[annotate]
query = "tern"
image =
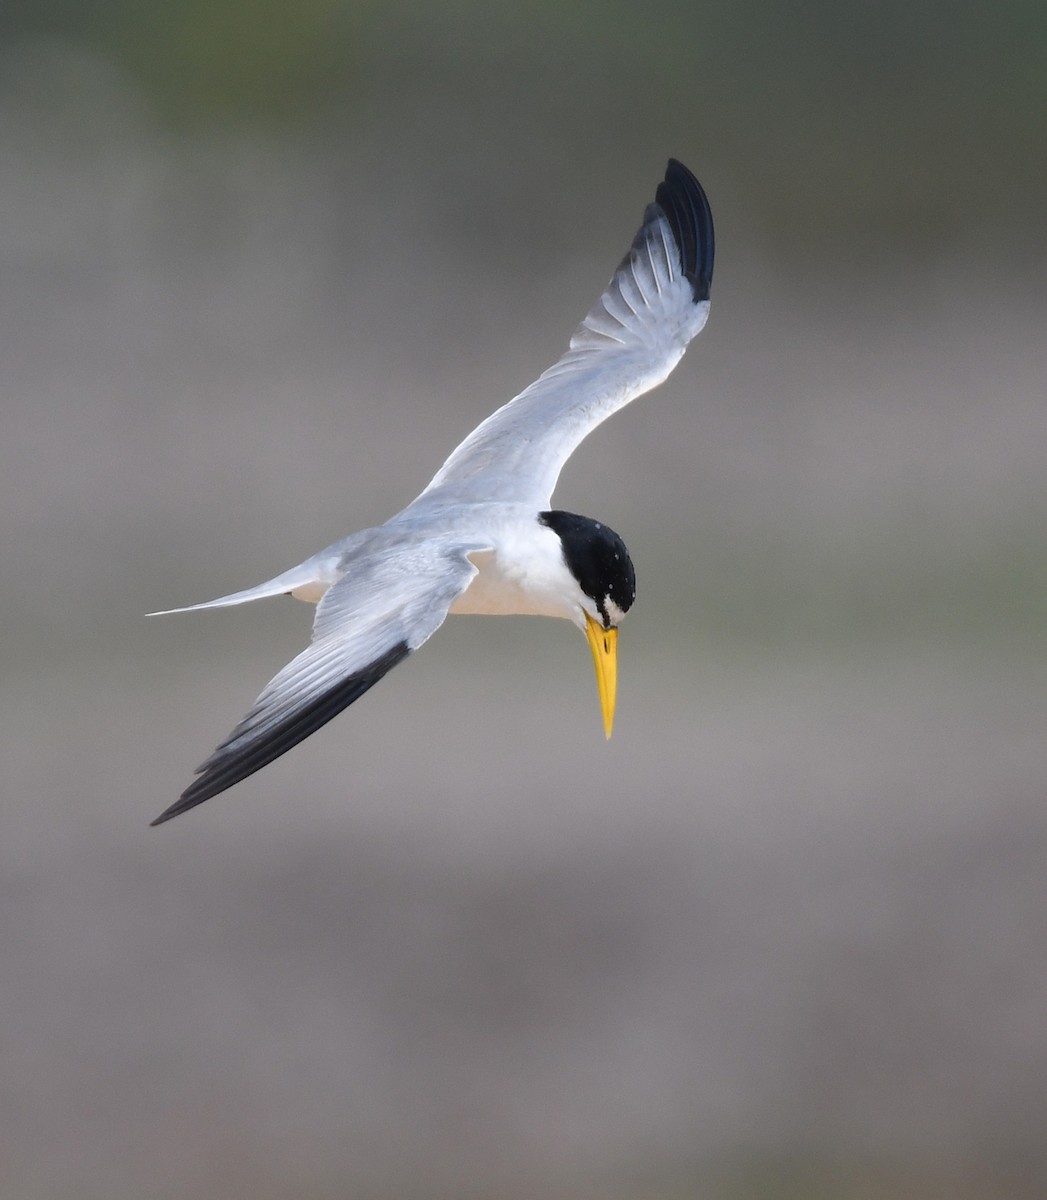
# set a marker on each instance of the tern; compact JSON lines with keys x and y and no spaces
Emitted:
{"x":482,"y":537}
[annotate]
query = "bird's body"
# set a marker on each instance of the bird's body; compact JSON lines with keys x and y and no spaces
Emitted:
{"x":481,"y":538}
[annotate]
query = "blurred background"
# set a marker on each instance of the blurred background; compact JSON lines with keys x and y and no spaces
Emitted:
{"x":262,"y":265}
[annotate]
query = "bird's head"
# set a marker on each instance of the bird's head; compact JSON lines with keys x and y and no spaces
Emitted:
{"x":600,"y":564}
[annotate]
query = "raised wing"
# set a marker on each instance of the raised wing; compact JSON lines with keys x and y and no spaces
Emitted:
{"x":370,"y":620}
{"x":630,"y":341}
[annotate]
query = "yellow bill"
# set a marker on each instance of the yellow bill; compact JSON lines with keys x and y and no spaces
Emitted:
{"x":604,"y":645}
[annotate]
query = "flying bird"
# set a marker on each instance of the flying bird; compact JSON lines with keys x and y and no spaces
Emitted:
{"x":482,"y":537}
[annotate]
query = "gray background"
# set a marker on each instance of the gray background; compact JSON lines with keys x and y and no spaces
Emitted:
{"x":261,"y":267}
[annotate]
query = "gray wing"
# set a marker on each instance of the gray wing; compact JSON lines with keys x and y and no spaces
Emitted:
{"x":370,"y":620}
{"x":630,"y":341}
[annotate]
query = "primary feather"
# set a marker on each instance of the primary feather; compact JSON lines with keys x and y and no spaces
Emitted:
{"x":629,"y":342}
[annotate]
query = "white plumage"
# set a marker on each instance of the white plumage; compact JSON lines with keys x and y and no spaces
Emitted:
{"x":479,"y":539}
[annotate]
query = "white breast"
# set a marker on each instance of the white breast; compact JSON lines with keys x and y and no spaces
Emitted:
{"x":525,"y":574}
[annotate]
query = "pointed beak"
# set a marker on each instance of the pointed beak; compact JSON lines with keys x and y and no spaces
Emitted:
{"x":604,"y":645}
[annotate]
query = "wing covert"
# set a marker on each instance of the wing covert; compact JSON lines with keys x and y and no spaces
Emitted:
{"x":367,"y":623}
{"x":632,"y":338}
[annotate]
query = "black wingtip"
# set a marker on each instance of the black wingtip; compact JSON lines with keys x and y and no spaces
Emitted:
{"x":188,"y":799}
{"x":228,"y":766}
{"x":683,"y":200}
